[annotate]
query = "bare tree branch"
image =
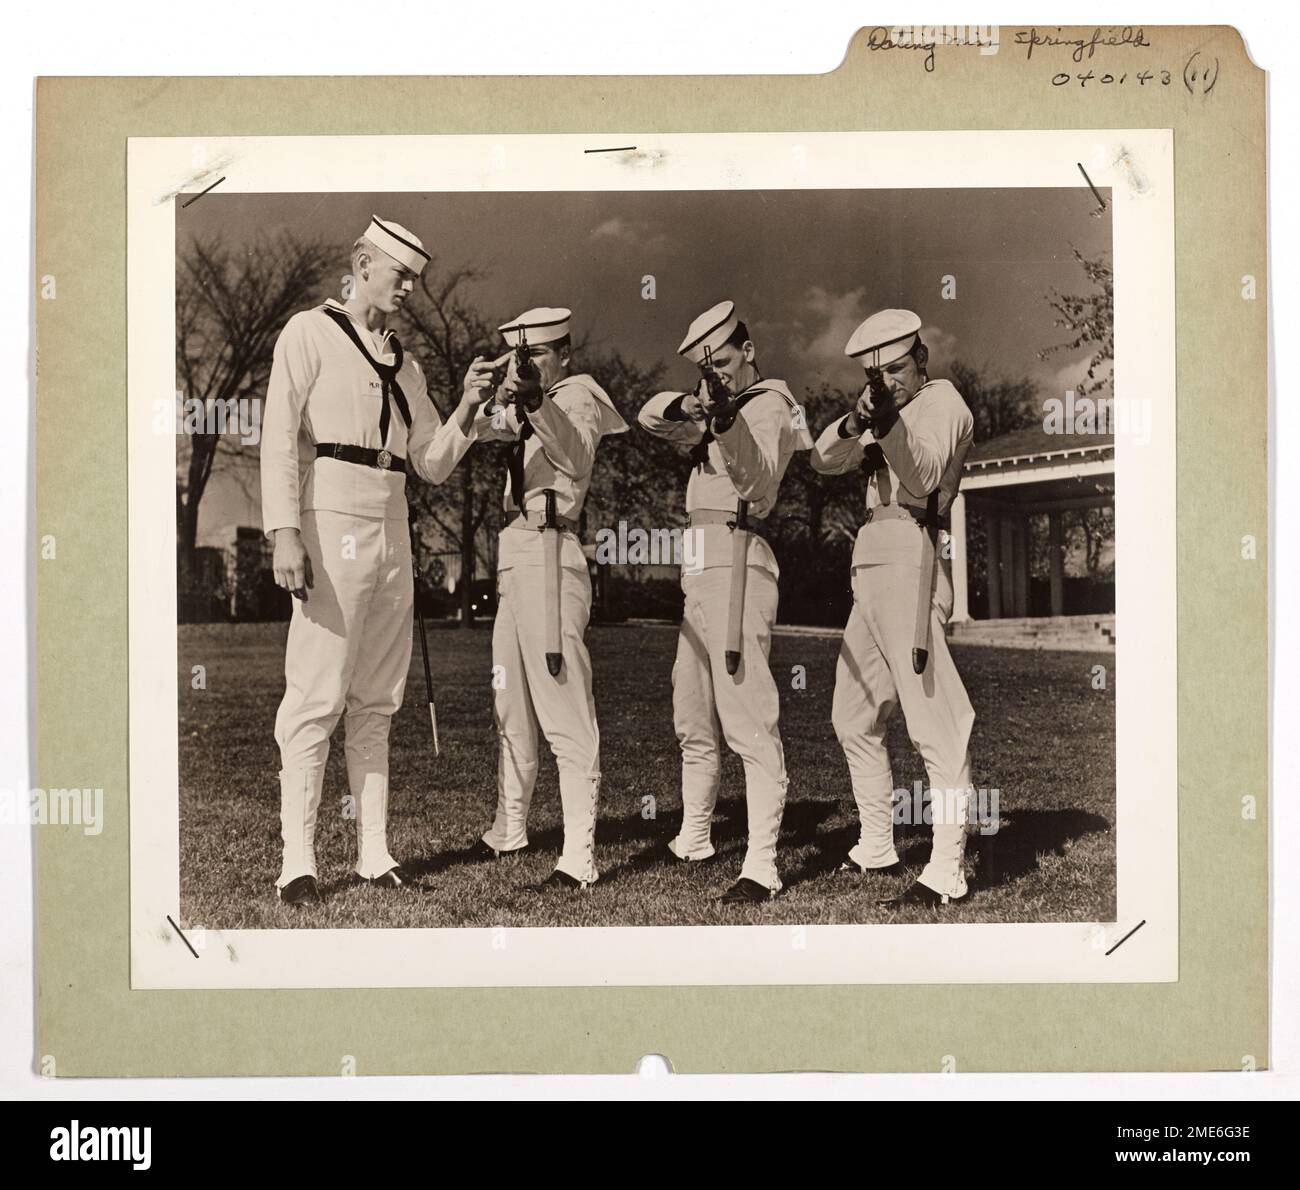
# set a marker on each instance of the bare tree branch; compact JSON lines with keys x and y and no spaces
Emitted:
{"x":1089,"y":319}
{"x":229,"y":309}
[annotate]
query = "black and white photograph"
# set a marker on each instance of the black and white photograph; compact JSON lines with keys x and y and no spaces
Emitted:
{"x":593,"y":553}
{"x":658,"y":555}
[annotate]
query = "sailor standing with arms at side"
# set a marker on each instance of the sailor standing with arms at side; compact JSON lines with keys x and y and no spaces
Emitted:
{"x":347,"y":415}
{"x":541,"y":668}
{"x":741,"y":430}
{"x":910,"y":434}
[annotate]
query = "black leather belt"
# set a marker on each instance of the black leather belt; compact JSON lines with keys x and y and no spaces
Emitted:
{"x":535,"y":518}
{"x":363,"y":456}
{"x":904,"y":512}
{"x":716,"y":516}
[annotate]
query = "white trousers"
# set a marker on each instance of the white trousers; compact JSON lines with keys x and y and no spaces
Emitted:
{"x":525,"y":696}
{"x":710,"y":704}
{"x":348,"y":653}
{"x":873,"y":676}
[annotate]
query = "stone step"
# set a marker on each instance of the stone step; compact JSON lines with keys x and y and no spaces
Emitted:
{"x":1095,"y":619}
{"x":1087,"y":632}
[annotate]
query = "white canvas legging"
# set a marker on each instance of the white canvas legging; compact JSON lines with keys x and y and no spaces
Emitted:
{"x":526,"y":696}
{"x":347,"y":654}
{"x":710,"y":704}
{"x":873,"y":676}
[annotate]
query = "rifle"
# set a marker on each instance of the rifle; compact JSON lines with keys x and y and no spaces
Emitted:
{"x":424,"y":640}
{"x":525,"y":369}
{"x":720,"y":399}
{"x":882,"y":400}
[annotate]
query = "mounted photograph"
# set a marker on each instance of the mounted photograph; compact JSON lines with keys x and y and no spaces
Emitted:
{"x":708,"y":546}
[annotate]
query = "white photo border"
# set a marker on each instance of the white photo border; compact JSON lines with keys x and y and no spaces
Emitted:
{"x":158,"y":168}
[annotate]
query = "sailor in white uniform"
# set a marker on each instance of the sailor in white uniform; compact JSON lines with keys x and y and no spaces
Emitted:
{"x":347,"y":416}
{"x":541,"y":671}
{"x":910,"y":435}
{"x":741,"y":430}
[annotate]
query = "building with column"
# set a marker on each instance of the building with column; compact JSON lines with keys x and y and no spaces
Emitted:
{"x":1033,"y":541}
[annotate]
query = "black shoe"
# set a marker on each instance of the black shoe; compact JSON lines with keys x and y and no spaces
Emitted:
{"x":483,"y":852}
{"x":849,"y":867}
{"x":397,"y":878}
{"x":747,"y":892}
{"x":916,"y":894}
{"x":301,"y":891}
{"x":556,"y":881}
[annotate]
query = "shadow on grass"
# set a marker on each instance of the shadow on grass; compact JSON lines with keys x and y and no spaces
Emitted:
{"x":1024,"y":838}
{"x":1000,"y":859}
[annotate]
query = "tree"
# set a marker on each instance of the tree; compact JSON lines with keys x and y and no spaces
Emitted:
{"x":1000,"y":405}
{"x":816,"y":521}
{"x":1092,"y":529}
{"x":819,"y":509}
{"x":229,"y":310}
{"x":1089,"y":319}
{"x":446,"y":332}
{"x":635,"y":476}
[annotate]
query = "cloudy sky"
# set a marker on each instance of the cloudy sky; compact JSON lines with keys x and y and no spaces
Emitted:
{"x":804,"y":267}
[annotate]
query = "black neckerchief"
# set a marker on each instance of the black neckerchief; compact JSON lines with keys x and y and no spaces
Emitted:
{"x":515,"y":462}
{"x":387,"y":372}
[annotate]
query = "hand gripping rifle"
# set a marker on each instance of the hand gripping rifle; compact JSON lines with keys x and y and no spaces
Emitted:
{"x":720,"y":398}
{"x":883,"y":409}
{"x":525,"y":369}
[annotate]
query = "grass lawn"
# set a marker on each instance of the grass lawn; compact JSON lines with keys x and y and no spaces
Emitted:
{"x":1043,"y":737}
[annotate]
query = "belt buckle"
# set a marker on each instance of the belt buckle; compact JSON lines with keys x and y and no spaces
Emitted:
{"x":383,"y":459}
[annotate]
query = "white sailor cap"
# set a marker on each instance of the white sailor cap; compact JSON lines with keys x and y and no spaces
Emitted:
{"x":545,"y":324}
{"x":886,"y":336}
{"x":711,"y":329}
{"x":402,"y":245}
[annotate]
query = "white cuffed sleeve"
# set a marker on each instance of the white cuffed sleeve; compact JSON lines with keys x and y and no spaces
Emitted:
{"x":833,"y":453}
{"x":919,"y":447}
{"x":295,"y":365}
{"x":568,"y":429}
{"x":661,"y":416}
{"x":434,"y":446}
{"x":751,"y":446}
